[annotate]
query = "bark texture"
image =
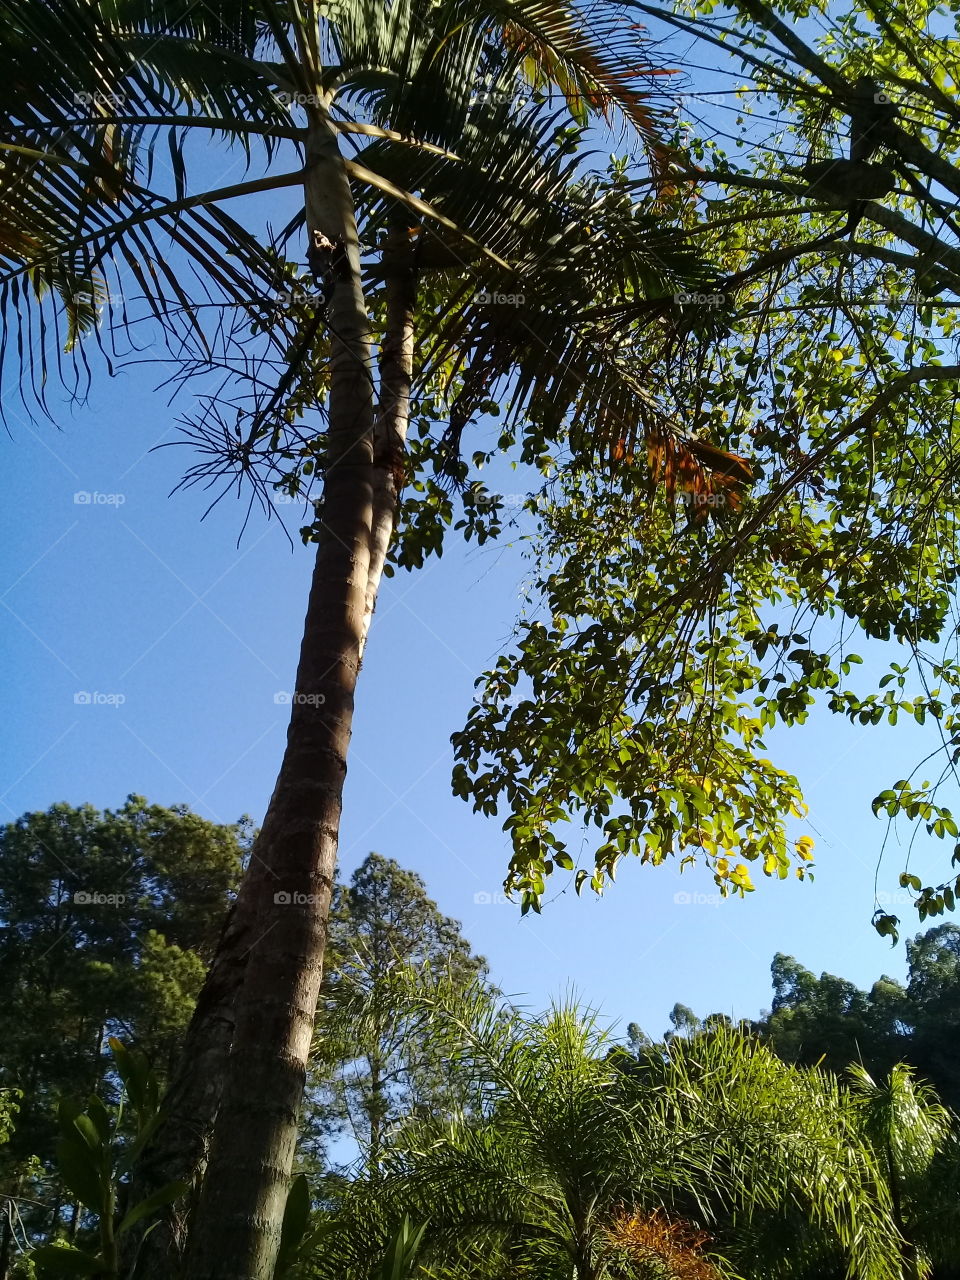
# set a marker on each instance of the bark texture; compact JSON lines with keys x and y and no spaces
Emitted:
{"x":179,"y":1147}
{"x":236,"y":1231}
{"x":232,"y":1109}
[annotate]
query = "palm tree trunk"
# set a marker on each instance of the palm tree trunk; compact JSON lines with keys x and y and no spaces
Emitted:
{"x":236,"y":1231}
{"x":178,"y":1149}
{"x":393,"y":408}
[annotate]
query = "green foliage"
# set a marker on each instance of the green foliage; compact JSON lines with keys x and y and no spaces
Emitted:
{"x":374,"y":1063}
{"x":918,"y":1147}
{"x":9,"y":1106}
{"x":714,"y":1135}
{"x":300,"y":1233}
{"x":93,"y":1154}
{"x":108,"y":920}
{"x":831,"y":1021}
{"x":668,"y":629}
{"x":614,"y":712}
{"x":402,"y":1252}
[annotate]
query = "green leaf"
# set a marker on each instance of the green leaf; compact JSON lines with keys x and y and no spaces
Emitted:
{"x":401,"y":1252}
{"x":166,"y":1195}
{"x":296,"y":1218}
{"x":81,"y":1172}
{"x":65,"y":1260}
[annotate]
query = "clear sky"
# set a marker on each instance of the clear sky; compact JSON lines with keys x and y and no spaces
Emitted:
{"x":137,"y":599}
{"x":129,"y":596}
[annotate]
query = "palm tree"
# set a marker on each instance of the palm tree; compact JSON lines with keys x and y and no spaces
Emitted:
{"x":918,"y":1149}
{"x":428,"y":190}
{"x":580,"y":1167}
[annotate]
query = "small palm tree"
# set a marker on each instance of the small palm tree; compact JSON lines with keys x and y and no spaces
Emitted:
{"x":580,"y":1168}
{"x":918,"y":1149}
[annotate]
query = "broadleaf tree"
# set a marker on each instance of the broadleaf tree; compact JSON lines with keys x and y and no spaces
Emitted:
{"x":667,"y":632}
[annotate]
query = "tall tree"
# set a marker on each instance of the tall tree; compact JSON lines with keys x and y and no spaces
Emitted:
{"x":415,"y":156}
{"x":107,"y":921}
{"x":375,"y":1062}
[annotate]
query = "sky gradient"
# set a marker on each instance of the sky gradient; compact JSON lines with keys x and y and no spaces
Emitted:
{"x":129,"y":596}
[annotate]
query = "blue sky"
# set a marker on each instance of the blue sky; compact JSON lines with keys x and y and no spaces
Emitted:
{"x":139,"y":600}
{"x":129,"y":596}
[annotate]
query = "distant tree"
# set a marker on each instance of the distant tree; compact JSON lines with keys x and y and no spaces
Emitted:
{"x":373,"y":1063}
{"x":933,"y":1009}
{"x":683,"y":1021}
{"x":832,"y":1021}
{"x":107,"y":922}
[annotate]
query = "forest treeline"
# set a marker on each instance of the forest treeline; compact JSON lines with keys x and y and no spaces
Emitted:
{"x":442,"y":1124}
